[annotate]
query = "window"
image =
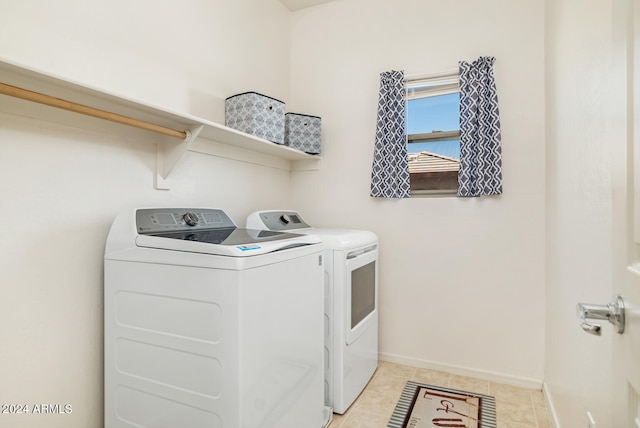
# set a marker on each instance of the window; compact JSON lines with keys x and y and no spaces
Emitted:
{"x":433,"y":133}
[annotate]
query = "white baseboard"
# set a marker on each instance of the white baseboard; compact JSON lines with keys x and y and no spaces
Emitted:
{"x":551,"y":410}
{"x":464,"y":371}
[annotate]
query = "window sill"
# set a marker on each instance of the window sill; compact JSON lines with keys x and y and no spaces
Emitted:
{"x":433,"y":193}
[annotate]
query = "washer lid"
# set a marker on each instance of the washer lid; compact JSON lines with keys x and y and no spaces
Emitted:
{"x":209,"y":231}
{"x":230,"y":242}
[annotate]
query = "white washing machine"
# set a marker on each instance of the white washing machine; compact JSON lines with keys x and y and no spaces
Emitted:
{"x":211,"y":326}
{"x":351,"y":303}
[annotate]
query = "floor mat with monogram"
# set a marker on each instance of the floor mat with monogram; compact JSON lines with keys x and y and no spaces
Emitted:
{"x":427,"y":406}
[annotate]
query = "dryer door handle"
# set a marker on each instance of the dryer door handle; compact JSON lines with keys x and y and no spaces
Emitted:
{"x":358,"y":253}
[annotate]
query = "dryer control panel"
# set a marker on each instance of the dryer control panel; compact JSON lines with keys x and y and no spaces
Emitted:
{"x":276,"y":220}
{"x":159,"y":220}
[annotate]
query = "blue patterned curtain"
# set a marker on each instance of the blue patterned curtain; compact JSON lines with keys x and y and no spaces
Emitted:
{"x":480,"y":150}
{"x":390,"y":172}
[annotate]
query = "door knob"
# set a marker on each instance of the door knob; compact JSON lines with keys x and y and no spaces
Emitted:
{"x":613,"y":312}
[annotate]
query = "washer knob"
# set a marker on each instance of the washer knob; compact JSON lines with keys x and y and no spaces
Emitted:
{"x":190,"y":218}
{"x":285,"y":219}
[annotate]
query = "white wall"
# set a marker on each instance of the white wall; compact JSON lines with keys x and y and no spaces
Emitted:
{"x":578,"y":365}
{"x":461,"y":281}
{"x":185,"y":55}
{"x":61,"y":187}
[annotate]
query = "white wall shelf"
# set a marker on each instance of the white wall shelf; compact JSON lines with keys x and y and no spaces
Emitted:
{"x":203,"y":136}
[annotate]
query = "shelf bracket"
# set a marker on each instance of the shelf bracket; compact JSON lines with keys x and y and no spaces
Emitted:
{"x":168,"y":155}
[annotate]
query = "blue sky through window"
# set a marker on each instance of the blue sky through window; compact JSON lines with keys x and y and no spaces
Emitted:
{"x":429,"y":114}
{"x":438,"y":113}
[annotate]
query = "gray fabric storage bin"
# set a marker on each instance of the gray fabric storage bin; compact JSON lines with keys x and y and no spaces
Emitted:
{"x":302,"y":132}
{"x":256,"y":114}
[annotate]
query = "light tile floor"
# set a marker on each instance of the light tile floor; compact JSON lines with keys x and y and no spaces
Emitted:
{"x":516,"y":407}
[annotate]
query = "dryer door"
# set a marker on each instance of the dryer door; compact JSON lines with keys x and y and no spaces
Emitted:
{"x":362,"y":291}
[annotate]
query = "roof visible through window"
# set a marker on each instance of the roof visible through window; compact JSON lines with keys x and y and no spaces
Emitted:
{"x":433,"y":139}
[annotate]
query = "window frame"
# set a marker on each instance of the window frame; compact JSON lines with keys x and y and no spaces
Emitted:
{"x":432,"y":182}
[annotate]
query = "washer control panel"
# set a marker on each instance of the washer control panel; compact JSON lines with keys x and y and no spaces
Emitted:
{"x":276,"y":220}
{"x":158,"y":220}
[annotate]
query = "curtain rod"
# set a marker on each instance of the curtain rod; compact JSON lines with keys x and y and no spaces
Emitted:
{"x":37,"y":97}
{"x":447,"y":73}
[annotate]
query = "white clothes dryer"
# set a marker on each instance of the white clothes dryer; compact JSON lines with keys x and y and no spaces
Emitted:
{"x":351,"y":303}
{"x":208,"y":325}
